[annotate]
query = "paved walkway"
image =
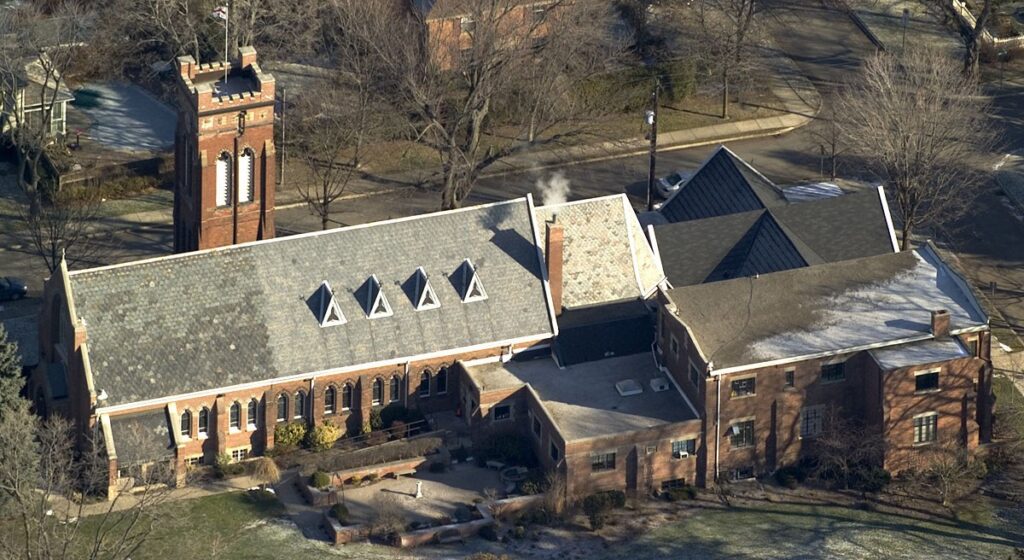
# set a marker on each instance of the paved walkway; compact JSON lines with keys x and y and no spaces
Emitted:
{"x":882,"y":22}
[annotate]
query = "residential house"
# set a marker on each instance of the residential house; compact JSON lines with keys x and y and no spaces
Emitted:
{"x":36,"y":98}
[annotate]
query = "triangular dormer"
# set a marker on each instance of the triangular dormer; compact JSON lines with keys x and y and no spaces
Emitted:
{"x":375,"y":303}
{"x":423,"y":294}
{"x":326,"y":307}
{"x":469,"y":280}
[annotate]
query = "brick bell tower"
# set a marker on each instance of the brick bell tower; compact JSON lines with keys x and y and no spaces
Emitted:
{"x":223,"y":154}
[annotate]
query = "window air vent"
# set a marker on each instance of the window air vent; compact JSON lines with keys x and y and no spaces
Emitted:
{"x":629,"y":387}
{"x":325,"y":306}
{"x":423,"y":294}
{"x":469,"y":283}
{"x":659,"y":384}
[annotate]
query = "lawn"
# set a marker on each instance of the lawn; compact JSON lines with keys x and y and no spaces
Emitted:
{"x":773,"y":530}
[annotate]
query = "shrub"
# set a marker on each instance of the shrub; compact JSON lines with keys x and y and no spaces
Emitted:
{"x":438,"y":467}
{"x":376,"y":438}
{"x":289,"y":435}
{"x":486,"y":556}
{"x":790,"y":476}
{"x":398,"y":429}
{"x":872,"y":479}
{"x":508,"y":448}
{"x":536,"y":483}
{"x":355,"y":480}
{"x":519,"y":532}
{"x":323,"y":436}
{"x":320,"y":480}
{"x":339,"y":512}
{"x":376,"y":419}
{"x":681,"y":493}
{"x":489,"y":532}
{"x":373,"y":477}
{"x":224,"y":467}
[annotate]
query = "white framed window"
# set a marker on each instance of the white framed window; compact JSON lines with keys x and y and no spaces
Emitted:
{"x":741,"y":434}
{"x":223,"y":185}
{"x":330,"y":399}
{"x":328,"y":311}
{"x":926,"y":381}
{"x":743,"y":387}
{"x":441,"y":381}
{"x":300,"y":405}
{"x":812,"y":421}
{"x":194,"y":461}
{"x":346,"y":397}
{"x":239,"y":454}
{"x":472,"y":287}
{"x":245,"y":175}
{"x":684,"y":448}
{"x":204,"y":422}
{"x":186,"y":425}
{"x":600,"y":462}
{"x":378,"y":392}
{"x":395,"y":388}
{"x":423,"y":293}
{"x":251,"y":414}
{"x":424,"y":390}
{"x":501,"y":412}
{"x":790,"y":379}
{"x":282,"y":408}
{"x":377,"y":305}
{"x":926,"y":428}
{"x":235,"y":416}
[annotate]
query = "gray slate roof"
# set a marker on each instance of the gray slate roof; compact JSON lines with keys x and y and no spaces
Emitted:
{"x":241,"y":314}
{"x":829,"y":308}
{"x":24,"y":331}
{"x":141,"y":438}
{"x":919,"y":353}
{"x":724,"y":184}
{"x":771,"y":240}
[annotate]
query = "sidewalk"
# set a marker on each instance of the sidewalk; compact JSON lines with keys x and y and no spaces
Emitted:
{"x":882,"y":22}
{"x":799,"y":103}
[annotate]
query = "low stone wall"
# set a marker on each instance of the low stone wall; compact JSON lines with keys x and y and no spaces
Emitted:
{"x":504,"y":507}
{"x":314,"y":496}
{"x":343,"y":534}
{"x":383,"y":470}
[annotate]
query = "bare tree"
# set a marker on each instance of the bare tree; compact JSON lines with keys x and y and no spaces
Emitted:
{"x":727,"y":35}
{"x":972,"y":39}
{"x":844,"y":447}
{"x":36,"y":53}
{"x":62,"y":228}
{"x":951,"y":469}
{"x":830,"y":142}
{"x":918,"y":122}
{"x":448,"y":78}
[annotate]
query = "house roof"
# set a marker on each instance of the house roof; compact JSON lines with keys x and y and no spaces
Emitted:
{"x":141,"y":438}
{"x":826,"y":309}
{"x":724,"y":184}
{"x":582,"y":399}
{"x":919,"y":353}
{"x":779,"y":238}
{"x":248,"y":313}
{"x":606,"y":256}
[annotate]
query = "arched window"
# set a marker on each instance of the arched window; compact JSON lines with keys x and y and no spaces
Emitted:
{"x":396,"y":388}
{"x":346,"y":397}
{"x":204,"y":422}
{"x":251,"y":414}
{"x":223,"y":193}
{"x":235,"y":416}
{"x":300,"y":404}
{"x":330,"y":399}
{"x":186,"y":424}
{"x":282,"y":408}
{"x":425,"y":383}
{"x":245,"y":173}
{"x":378,"y":391}
{"x":441,"y":382}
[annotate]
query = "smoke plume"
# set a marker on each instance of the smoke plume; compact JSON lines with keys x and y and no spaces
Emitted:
{"x":554,"y":190}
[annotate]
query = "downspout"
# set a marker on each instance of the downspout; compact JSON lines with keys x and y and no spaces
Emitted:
{"x":718,"y":415}
{"x":405,"y":393}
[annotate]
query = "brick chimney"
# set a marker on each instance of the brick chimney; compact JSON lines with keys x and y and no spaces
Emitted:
{"x":553,"y":250}
{"x":940,"y":323}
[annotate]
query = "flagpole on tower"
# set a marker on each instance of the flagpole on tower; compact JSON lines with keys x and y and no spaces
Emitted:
{"x":226,"y":20}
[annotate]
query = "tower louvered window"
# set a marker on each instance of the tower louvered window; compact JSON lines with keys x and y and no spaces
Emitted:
{"x":245,"y":175}
{"x":223,"y":194}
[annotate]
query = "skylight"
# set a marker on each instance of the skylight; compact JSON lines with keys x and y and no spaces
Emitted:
{"x":376,"y":304}
{"x":472,"y":288}
{"x":423,"y":293}
{"x":326,"y":307}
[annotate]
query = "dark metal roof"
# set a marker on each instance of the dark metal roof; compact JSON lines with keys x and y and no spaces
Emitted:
{"x":242,"y":314}
{"x":605,"y":330}
{"x":781,"y":238}
{"x":141,"y":438}
{"x":724,"y":184}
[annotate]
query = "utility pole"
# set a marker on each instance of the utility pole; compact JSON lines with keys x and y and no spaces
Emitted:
{"x":284,"y":152}
{"x":652,"y":120}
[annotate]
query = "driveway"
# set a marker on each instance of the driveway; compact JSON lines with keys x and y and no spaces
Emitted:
{"x":124,"y":117}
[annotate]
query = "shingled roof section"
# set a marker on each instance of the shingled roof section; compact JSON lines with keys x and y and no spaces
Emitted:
{"x":606,"y":256}
{"x":851,"y":226}
{"x":141,"y":438}
{"x":241,"y":314}
{"x":724,"y":184}
{"x":825,"y":309}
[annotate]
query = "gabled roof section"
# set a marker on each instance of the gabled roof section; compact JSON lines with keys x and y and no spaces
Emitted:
{"x":325,"y":306}
{"x":606,"y":256}
{"x":471,"y":288}
{"x":822,"y":310}
{"x":851,"y":226}
{"x":423,"y":296}
{"x":241,"y":314}
{"x":724,"y":184}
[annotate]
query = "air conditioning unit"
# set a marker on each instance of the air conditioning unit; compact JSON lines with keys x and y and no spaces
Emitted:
{"x":681,"y":455}
{"x":659,"y":384}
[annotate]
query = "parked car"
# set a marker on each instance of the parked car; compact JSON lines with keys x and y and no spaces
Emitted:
{"x":669,"y":184}
{"x":11,"y":289}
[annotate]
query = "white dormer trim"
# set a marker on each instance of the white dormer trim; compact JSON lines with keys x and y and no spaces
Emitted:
{"x":473,"y":288}
{"x":329,"y":313}
{"x":377,"y":305}
{"x":425,"y":296}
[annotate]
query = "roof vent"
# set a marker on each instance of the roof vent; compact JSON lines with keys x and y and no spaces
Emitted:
{"x":659,"y":384}
{"x":629,"y":387}
{"x":375,"y":303}
{"x":423,"y":295}
{"x":325,"y":306}
{"x":471,"y":289}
